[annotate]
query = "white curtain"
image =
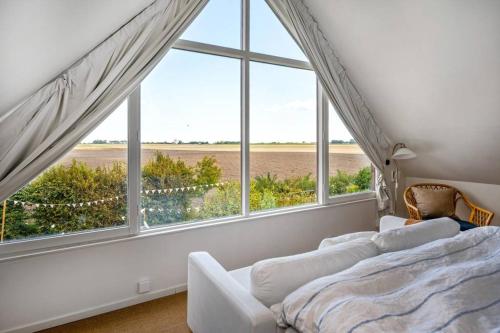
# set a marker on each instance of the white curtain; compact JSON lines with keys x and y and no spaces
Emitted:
{"x":46,"y":125}
{"x":348,"y":103}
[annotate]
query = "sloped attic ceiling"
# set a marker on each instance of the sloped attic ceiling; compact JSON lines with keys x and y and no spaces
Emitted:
{"x":430,"y":72}
{"x":39,"y":39}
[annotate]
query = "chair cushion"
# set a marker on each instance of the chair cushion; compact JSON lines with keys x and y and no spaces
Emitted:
{"x":464,"y":225}
{"x":433,"y":203}
{"x":416,"y":234}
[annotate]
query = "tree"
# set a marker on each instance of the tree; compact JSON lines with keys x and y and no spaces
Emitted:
{"x":363,"y":179}
{"x":222,"y":201}
{"x":338,"y":184}
{"x":162,"y":172}
{"x":207,"y":171}
{"x":343,"y":182}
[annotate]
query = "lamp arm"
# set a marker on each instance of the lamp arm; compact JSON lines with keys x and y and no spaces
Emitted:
{"x":397,"y":146}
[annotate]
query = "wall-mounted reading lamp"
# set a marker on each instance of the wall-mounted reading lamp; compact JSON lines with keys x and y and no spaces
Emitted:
{"x":399,"y":152}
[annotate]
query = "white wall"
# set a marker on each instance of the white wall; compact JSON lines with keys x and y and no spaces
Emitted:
{"x":483,"y":195}
{"x":430,"y":72}
{"x":51,"y":289}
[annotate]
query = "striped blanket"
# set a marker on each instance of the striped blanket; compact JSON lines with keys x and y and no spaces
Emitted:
{"x":449,"y":285}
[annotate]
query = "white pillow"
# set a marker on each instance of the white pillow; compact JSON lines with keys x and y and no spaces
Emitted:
{"x":271,"y":280}
{"x":416,"y":234}
{"x":345,"y":238}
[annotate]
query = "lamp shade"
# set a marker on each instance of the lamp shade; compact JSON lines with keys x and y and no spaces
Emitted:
{"x":403,"y":153}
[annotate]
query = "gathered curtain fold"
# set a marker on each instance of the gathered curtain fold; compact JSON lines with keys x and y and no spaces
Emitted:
{"x":347,"y":101}
{"x":49,"y":123}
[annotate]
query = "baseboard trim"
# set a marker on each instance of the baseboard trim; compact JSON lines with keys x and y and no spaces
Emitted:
{"x":94,"y":311}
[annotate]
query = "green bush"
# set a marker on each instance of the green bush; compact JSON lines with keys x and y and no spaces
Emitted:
{"x":162,"y":172}
{"x":18,"y":223}
{"x":80,"y":183}
{"x":363,"y":179}
{"x":76,"y":183}
{"x":268,"y":192}
{"x":338,"y":184}
{"x":343,"y":182}
{"x":222,"y":201}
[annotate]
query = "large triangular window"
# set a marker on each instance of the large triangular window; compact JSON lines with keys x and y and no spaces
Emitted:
{"x":224,"y":127}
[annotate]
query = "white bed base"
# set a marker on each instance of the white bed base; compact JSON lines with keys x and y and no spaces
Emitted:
{"x":218,"y":303}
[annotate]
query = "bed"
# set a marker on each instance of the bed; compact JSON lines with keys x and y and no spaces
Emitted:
{"x":450,"y":284}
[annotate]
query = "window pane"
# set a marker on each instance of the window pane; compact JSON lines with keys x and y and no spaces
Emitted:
{"x":282,"y":137}
{"x":350,"y":169}
{"x":268,"y":35}
{"x":218,"y":23}
{"x":85,"y":190}
{"x":190,"y":134}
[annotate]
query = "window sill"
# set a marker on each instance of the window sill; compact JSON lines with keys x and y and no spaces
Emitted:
{"x":350,"y":197}
{"x":42,"y":246}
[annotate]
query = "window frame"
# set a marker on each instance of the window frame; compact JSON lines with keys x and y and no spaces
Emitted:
{"x":29,"y":246}
{"x":324,"y":126}
{"x":19,"y":247}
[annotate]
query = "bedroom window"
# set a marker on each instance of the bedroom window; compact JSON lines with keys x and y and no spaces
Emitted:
{"x":282,"y":137}
{"x":349,"y":169}
{"x":190,"y":139}
{"x":85,"y":190}
{"x":219,"y":126}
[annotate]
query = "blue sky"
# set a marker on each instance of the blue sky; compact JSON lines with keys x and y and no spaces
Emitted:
{"x":196,"y":97}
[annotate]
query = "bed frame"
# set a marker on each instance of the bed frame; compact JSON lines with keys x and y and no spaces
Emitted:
{"x":219,"y":303}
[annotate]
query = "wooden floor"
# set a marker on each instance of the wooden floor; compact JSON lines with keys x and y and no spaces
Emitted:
{"x":165,"y":315}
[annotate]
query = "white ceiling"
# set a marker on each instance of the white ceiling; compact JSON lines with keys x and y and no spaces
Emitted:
{"x":430,"y":72}
{"x":41,"y":38}
{"x":429,"y":69}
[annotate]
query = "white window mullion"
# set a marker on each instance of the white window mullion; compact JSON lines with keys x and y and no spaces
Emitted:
{"x":134,"y":160}
{"x":320,"y":188}
{"x":245,"y":109}
{"x":245,"y":25}
{"x":245,"y":144}
{"x":323,"y":146}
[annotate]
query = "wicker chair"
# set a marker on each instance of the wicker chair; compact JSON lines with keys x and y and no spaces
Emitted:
{"x":478,"y":216}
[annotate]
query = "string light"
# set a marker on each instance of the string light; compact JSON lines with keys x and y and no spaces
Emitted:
{"x":168,"y":210}
{"x":115,"y":198}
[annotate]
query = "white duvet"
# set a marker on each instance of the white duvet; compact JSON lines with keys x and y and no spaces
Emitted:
{"x":449,"y":285}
